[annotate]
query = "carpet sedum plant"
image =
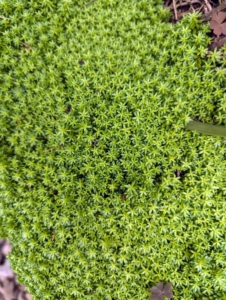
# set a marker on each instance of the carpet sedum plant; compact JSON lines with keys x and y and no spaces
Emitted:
{"x":103,"y":193}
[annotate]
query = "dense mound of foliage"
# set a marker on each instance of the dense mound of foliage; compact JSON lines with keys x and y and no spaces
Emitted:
{"x":103,"y":194}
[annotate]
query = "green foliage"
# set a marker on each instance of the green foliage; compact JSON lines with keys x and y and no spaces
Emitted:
{"x":207,"y":129}
{"x":89,"y":197}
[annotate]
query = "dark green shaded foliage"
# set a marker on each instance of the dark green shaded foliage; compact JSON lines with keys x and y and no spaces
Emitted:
{"x":89,"y":195}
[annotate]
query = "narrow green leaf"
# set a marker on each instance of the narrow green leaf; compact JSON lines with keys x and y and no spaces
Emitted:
{"x":208,"y":129}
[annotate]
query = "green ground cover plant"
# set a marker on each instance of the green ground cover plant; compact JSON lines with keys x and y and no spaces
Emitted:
{"x":103,"y":193}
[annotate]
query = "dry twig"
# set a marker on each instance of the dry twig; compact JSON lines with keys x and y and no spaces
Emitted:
{"x":89,"y":3}
{"x":209,"y":7}
{"x":47,"y":150}
{"x":28,"y":47}
{"x":175,"y":10}
{"x":207,"y":17}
